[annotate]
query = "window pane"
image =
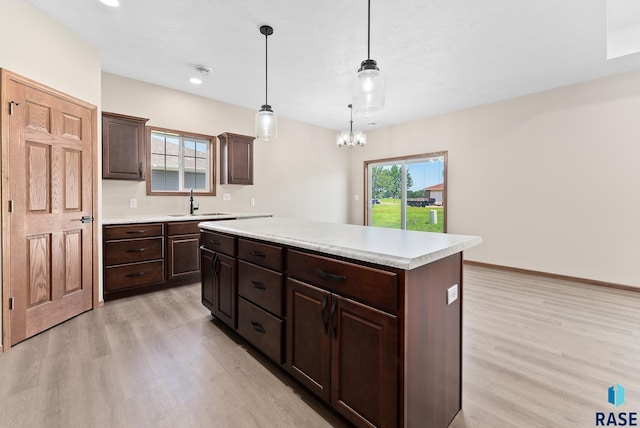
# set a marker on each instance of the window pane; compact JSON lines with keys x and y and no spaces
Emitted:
{"x":179,"y":163}
{"x":386,"y":196}
{"x":425,"y":190}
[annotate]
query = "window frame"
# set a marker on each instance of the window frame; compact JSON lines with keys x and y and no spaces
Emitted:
{"x":405,"y":160}
{"x":212,"y":161}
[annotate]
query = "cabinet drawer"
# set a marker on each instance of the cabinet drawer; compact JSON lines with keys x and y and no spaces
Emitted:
{"x":266,"y":255}
{"x":133,"y":275}
{"x":133,"y":250}
{"x":261,"y":329}
{"x":142,"y":230}
{"x":218,"y":242}
{"x":260,"y":286}
{"x":376,"y":287}
{"x":183,"y":228}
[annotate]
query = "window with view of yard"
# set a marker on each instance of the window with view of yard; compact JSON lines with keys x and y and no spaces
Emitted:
{"x":407,"y":192}
{"x":179,"y":162}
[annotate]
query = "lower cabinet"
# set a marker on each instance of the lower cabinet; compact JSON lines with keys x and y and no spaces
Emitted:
{"x":218,"y":276}
{"x":345,"y":352}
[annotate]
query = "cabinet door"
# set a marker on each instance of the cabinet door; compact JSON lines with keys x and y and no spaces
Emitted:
{"x":183,"y":256}
{"x":207,"y":275}
{"x":308,"y":340}
{"x":364,"y":371}
{"x":236,"y":159}
{"x":225,"y":293}
{"x":123,"y":154}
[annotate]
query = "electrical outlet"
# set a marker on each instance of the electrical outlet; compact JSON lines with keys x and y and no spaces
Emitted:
{"x":226,"y":196}
{"x":133,"y":203}
{"x":252,"y":202}
{"x":452,"y":294}
{"x":356,"y":197}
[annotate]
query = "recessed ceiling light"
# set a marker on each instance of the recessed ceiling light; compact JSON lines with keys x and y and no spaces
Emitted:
{"x":195,"y":81}
{"x":112,"y":3}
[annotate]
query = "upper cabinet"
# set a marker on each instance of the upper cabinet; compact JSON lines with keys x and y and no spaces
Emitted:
{"x":236,"y":159}
{"x":123,"y":147}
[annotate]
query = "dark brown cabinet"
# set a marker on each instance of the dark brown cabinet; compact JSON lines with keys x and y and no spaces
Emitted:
{"x":133,"y":256}
{"x":218,"y":276}
{"x":183,"y":245}
{"x":236,"y":159}
{"x":123,"y":147}
{"x":344,"y":351}
{"x":260,"y":301}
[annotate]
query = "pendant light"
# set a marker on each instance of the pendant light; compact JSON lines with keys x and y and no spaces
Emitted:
{"x":266,"y":119}
{"x":350,"y":138}
{"x":368,"y":95}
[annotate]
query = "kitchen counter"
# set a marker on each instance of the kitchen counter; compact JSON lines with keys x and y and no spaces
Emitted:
{"x":387,"y":247}
{"x":157,"y":218}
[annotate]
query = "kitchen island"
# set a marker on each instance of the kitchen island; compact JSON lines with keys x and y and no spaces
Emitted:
{"x":369,"y":319}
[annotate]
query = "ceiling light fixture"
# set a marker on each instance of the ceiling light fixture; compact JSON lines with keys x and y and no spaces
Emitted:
{"x":112,"y":3}
{"x":266,"y":119}
{"x":368,"y":96}
{"x":350,"y":138}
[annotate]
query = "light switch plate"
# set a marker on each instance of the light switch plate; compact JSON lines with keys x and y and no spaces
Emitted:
{"x":452,"y":294}
{"x":226,"y":196}
{"x":133,"y":203}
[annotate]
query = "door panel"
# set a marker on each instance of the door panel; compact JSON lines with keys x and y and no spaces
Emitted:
{"x":364,"y":375}
{"x":50,"y":183}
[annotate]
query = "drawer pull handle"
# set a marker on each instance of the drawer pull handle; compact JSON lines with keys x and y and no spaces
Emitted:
{"x":331,"y":276}
{"x":258,"y":285}
{"x":136,"y":250}
{"x":212,"y":242}
{"x":132,"y":275}
{"x":257,"y":253}
{"x":334,"y":330}
{"x":136,"y":231}
{"x":322,"y":314}
{"x":258,"y":327}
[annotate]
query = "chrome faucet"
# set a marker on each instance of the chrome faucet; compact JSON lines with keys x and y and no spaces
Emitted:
{"x":191,"y":207}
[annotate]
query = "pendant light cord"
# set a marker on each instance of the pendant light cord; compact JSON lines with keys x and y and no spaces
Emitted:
{"x":369,"y":29}
{"x":266,"y":68}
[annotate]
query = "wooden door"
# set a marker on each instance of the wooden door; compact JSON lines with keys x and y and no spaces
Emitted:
{"x":308,"y":337}
{"x":364,"y":370}
{"x":50,"y":176}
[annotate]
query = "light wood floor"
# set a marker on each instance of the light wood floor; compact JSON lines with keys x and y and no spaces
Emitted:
{"x":537,"y":353}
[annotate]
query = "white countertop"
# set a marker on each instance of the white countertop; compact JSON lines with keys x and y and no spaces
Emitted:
{"x":181,"y":217}
{"x":388,"y":247}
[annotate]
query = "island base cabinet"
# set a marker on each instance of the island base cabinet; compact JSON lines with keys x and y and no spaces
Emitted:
{"x":345,"y":352}
{"x":219,"y":290}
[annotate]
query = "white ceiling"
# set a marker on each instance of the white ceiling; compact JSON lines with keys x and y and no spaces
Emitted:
{"x":436,"y":56}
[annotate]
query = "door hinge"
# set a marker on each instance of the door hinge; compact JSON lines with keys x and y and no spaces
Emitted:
{"x":11,"y":205}
{"x":12,"y":104}
{"x":10,"y":303}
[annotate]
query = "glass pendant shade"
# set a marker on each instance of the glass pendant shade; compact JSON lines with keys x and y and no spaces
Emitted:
{"x":368,"y":94}
{"x":266,"y":124}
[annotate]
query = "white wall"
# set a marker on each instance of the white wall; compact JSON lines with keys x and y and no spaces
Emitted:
{"x":550,"y":181}
{"x":299,"y":175}
{"x":39,"y":48}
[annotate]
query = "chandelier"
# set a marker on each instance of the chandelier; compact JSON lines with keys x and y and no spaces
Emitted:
{"x":350,"y":138}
